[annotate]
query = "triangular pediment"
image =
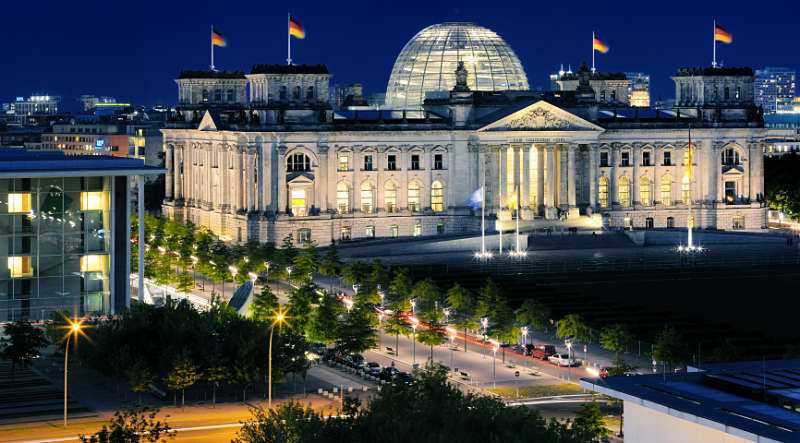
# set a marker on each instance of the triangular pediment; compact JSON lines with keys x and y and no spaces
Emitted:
{"x":300,"y":178}
{"x":541,"y":116}
{"x":207,"y":123}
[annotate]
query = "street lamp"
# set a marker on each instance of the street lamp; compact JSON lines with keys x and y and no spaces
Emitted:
{"x":446,"y":312}
{"x":380,"y":328}
{"x":194,"y":260}
{"x":253,"y":277}
{"x":569,"y":358}
{"x":213,"y":284}
{"x":414,"y":324}
{"x":524,"y":331}
{"x":381,"y":294}
{"x":451,"y":332}
{"x":413,"y":306}
{"x":484,"y":326}
{"x":233,"y":270}
{"x":74,"y":328}
{"x":495,"y":347}
{"x":280,"y":318}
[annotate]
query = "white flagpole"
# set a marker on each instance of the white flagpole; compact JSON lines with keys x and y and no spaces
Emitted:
{"x":483,"y":211}
{"x":288,"y":41}
{"x":593,"y":37}
{"x":499,"y":209}
{"x":517,"y":233}
{"x":689,"y":221}
{"x":714,"y":39}
{"x":212,"y":47}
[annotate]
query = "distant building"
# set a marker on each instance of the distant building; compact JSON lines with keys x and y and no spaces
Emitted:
{"x":610,"y":88}
{"x":91,"y":101}
{"x":345,"y":96}
{"x":23,"y":110}
{"x":638,"y":89}
{"x":66,"y":238}
{"x":556,"y":76}
{"x":774,"y":85}
{"x":727,"y":402}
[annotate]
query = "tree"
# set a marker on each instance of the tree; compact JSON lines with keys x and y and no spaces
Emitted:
{"x":399,"y":295}
{"x":132,"y":426}
{"x":214,"y":376}
{"x":183,"y":375}
{"x":589,"y":425}
{"x":395,"y":326}
{"x":430,"y":337}
{"x":22,"y":343}
{"x":306,"y":263}
{"x":290,"y":422}
{"x":323,"y":325}
{"x":534,"y":314}
{"x":357,"y":331}
{"x":782,"y":185}
{"x":669,"y":347}
{"x":300,"y":301}
{"x":492,"y":304}
{"x":264,"y":305}
{"x":288,"y":250}
{"x":615,"y":338}
{"x":573,"y":325}
{"x":426,"y":295}
{"x":463,"y":303}
{"x":331,"y":264}
{"x":140,"y":378}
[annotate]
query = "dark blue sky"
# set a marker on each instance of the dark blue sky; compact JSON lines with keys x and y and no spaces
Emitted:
{"x":134,"y":50}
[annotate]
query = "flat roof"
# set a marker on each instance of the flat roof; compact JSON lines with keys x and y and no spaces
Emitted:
{"x":21,"y":162}
{"x":759,"y":398}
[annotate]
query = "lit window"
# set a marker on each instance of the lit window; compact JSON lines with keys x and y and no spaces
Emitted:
{"x":19,"y":203}
{"x":437,"y":196}
{"x":644,"y":191}
{"x":738,"y":222}
{"x":367,"y":197}
{"x":304,"y":235}
{"x":344,"y":163}
{"x":342,"y":198}
{"x":417,"y":229}
{"x":369,"y":231}
{"x":344,"y":233}
{"x":367,"y":162}
{"x":624,"y":192}
{"x":394,"y":231}
{"x":685,"y":190}
{"x":390,"y":197}
{"x":93,"y":263}
{"x":91,"y":201}
{"x":20,"y":266}
{"x":602,"y":192}
{"x":298,"y":203}
{"x":666,"y":190}
{"x":413,"y":196}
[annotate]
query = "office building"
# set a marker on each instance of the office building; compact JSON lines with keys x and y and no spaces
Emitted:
{"x":773,"y":86}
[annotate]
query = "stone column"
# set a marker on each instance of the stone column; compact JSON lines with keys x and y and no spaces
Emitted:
{"x":550,"y":192}
{"x":612,"y":185}
{"x":168,"y":181}
{"x":282,"y":191}
{"x":635,"y":198}
{"x":177,"y":163}
{"x":571,"y":180}
{"x":525,"y":196}
{"x":562,"y":176}
{"x":321,"y":181}
{"x":503,"y":191}
{"x":754,"y":171}
{"x":713,"y":173}
{"x":593,"y":176}
{"x":540,"y":200}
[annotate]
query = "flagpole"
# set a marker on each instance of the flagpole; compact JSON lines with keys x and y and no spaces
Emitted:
{"x":714,"y":39}
{"x":499,"y":209}
{"x":483,"y":211}
{"x":212,"y":47}
{"x":689,"y":221}
{"x":593,"y":37}
{"x":288,"y":41}
{"x":517,"y":233}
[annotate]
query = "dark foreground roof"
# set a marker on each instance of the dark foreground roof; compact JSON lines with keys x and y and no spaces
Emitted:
{"x":20,"y":162}
{"x":760,"y":398}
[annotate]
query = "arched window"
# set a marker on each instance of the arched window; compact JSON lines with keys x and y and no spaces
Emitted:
{"x":205,"y":95}
{"x":624,"y":192}
{"x":390,"y":197}
{"x":298,"y":162}
{"x":602,"y":191}
{"x":367,"y":197}
{"x":282,"y":93}
{"x":730,"y":157}
{"x":666,"y":190}
{"x":296,"y":93}
{"x":342,"y":198}
{"x":645,"y":191}
{"x":310,"y":93}
{"x":685,"y":189}
{"x":413,"y":196}
{"x":437,"y":196}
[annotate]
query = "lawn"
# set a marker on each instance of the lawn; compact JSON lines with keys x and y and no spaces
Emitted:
{"x":534,"y":391}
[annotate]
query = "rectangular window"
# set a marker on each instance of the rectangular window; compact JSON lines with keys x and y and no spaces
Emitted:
{"x":391,"y":162}
{"x":394,"y":231}
{"x":648,"y":223}
{"x":415,"y":162}
{"x":92,"y":201}
{"x":344,"y":163}
{"x":626,"y":159}
{"x":438,"y":162}
{"x":369,"y":231}
{"x":667,"y":158}
{"x":604,"y":159}
{"x":93,"y":263}
{"x":440,"y":228}
{"x":730,"y":192}
{"x":344,"y":233}
{"x":670,"y":222}
{"x":646,"y":158}
{"x":298,"y":202}
{"x":304,"y":235}
{"x":20,"y":266}
{"x":738,"y":222}
{"x":19,"y":203}
{"x":367,"y":162}
{"x":417,"y":229}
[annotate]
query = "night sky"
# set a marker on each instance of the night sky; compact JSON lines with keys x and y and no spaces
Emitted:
{"x":134,"y":50}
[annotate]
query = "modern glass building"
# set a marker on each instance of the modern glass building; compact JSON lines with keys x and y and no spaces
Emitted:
{"x":428,"y":63}
{"x":774,"y":86}
{"x":64,"y":233}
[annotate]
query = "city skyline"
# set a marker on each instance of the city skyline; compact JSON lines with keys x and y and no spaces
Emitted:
{"x":142,"y":52}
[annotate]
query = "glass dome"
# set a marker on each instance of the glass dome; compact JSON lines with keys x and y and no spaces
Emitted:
{"x":428,"y":63}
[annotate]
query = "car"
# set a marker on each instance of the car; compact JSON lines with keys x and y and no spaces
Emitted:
{"x":372,"y":368}
{"x":543,"y":352}
{"x":562,"y":360}
{"x":387,"y":374}
{"x":404,"y":378}
{"x":519,"y":349}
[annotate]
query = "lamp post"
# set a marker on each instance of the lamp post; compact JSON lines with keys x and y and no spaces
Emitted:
{"x":194,"y":268}
{"x":414,"y":324}
{"x":495,"y":347}
{"x":280,"y":318}
{"x":569,"y":359}
{"x":74,"y":329}
{"x":380,"y":328}
{"x":451,"y":332}
{"x":413,"y":306}
{"x":213,"y":284}
{"x":289,"y":275}
{"x":484,"y":326}
{"x":524,"y":331}
{"x":381,"y":294}
{"x":233,"y":270}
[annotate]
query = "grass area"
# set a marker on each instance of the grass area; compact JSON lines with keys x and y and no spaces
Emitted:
{"x":533,"y":391}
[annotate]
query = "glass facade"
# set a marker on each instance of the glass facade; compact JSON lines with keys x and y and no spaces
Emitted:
{"x":428,"y":63}
{"x":55,"y":240}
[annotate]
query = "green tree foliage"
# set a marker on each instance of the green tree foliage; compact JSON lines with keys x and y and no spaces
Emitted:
{"x":331,"y":264}
{"x":395,"y":326}
{"x":669,"y":347}
{"x":492,"y":304}
{"x":427,"y":298}
{"x":300,"y":309}
{"x":357,"y":331}
{"x":306,"y":263}
{"x":264,"y":305}
{"x":782,"y":184}
{"x":140,"y":378}
{"x":356,"y":272}
{"x":615,"y":338}
{"x":429,"y":410}
{"x":288,"y":249}
{"x":430,"y":337}
{"x":323,"y":326}
{"x":214,"y":376}
{"x":573,"y":325}
{"x":21,"y":343}
{"x":534,"y":314}
{"x":399,"y":294}
{"x":183,"y":375}
{"x":463,"y":304}
{"x":132,"y":426}
{"x":589,"y":425}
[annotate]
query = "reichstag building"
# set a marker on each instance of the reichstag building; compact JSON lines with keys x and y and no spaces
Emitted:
{"x":260,"y":155}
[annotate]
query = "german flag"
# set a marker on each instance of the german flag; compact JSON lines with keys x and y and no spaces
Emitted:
{"x":217,"y":39}
{"x":721,"y":35}
{"x":295,"y":30}
{"x":599,"y":46}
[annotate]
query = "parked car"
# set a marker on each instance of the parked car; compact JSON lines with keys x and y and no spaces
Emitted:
{"x":562,"y":360}
{"x":543,"y":352}
{"x":387,"y":374}
{"x":372,"y":368}
{"x":405,"y":378}
{"x":519,"y":349}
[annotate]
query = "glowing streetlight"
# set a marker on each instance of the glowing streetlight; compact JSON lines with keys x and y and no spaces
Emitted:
{"x":253,"y":276}
{"x":381,"y":294}
{"x":484,"y":326}
{"x":495,"y":347}
{"x":451,"y":334}
{"x":279,"y":320}
{"x":446,"y":312}
{"x":569,"y":358}
{"x":74,"y":327}
{"x":524,"y":331}
{"x":414,"y":324}
{"x":413,"y":306}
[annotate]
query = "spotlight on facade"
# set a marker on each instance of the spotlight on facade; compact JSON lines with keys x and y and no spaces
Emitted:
{"x":484,"y":255}
{"x":518,"y":254}
{"x":682,"y":249}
